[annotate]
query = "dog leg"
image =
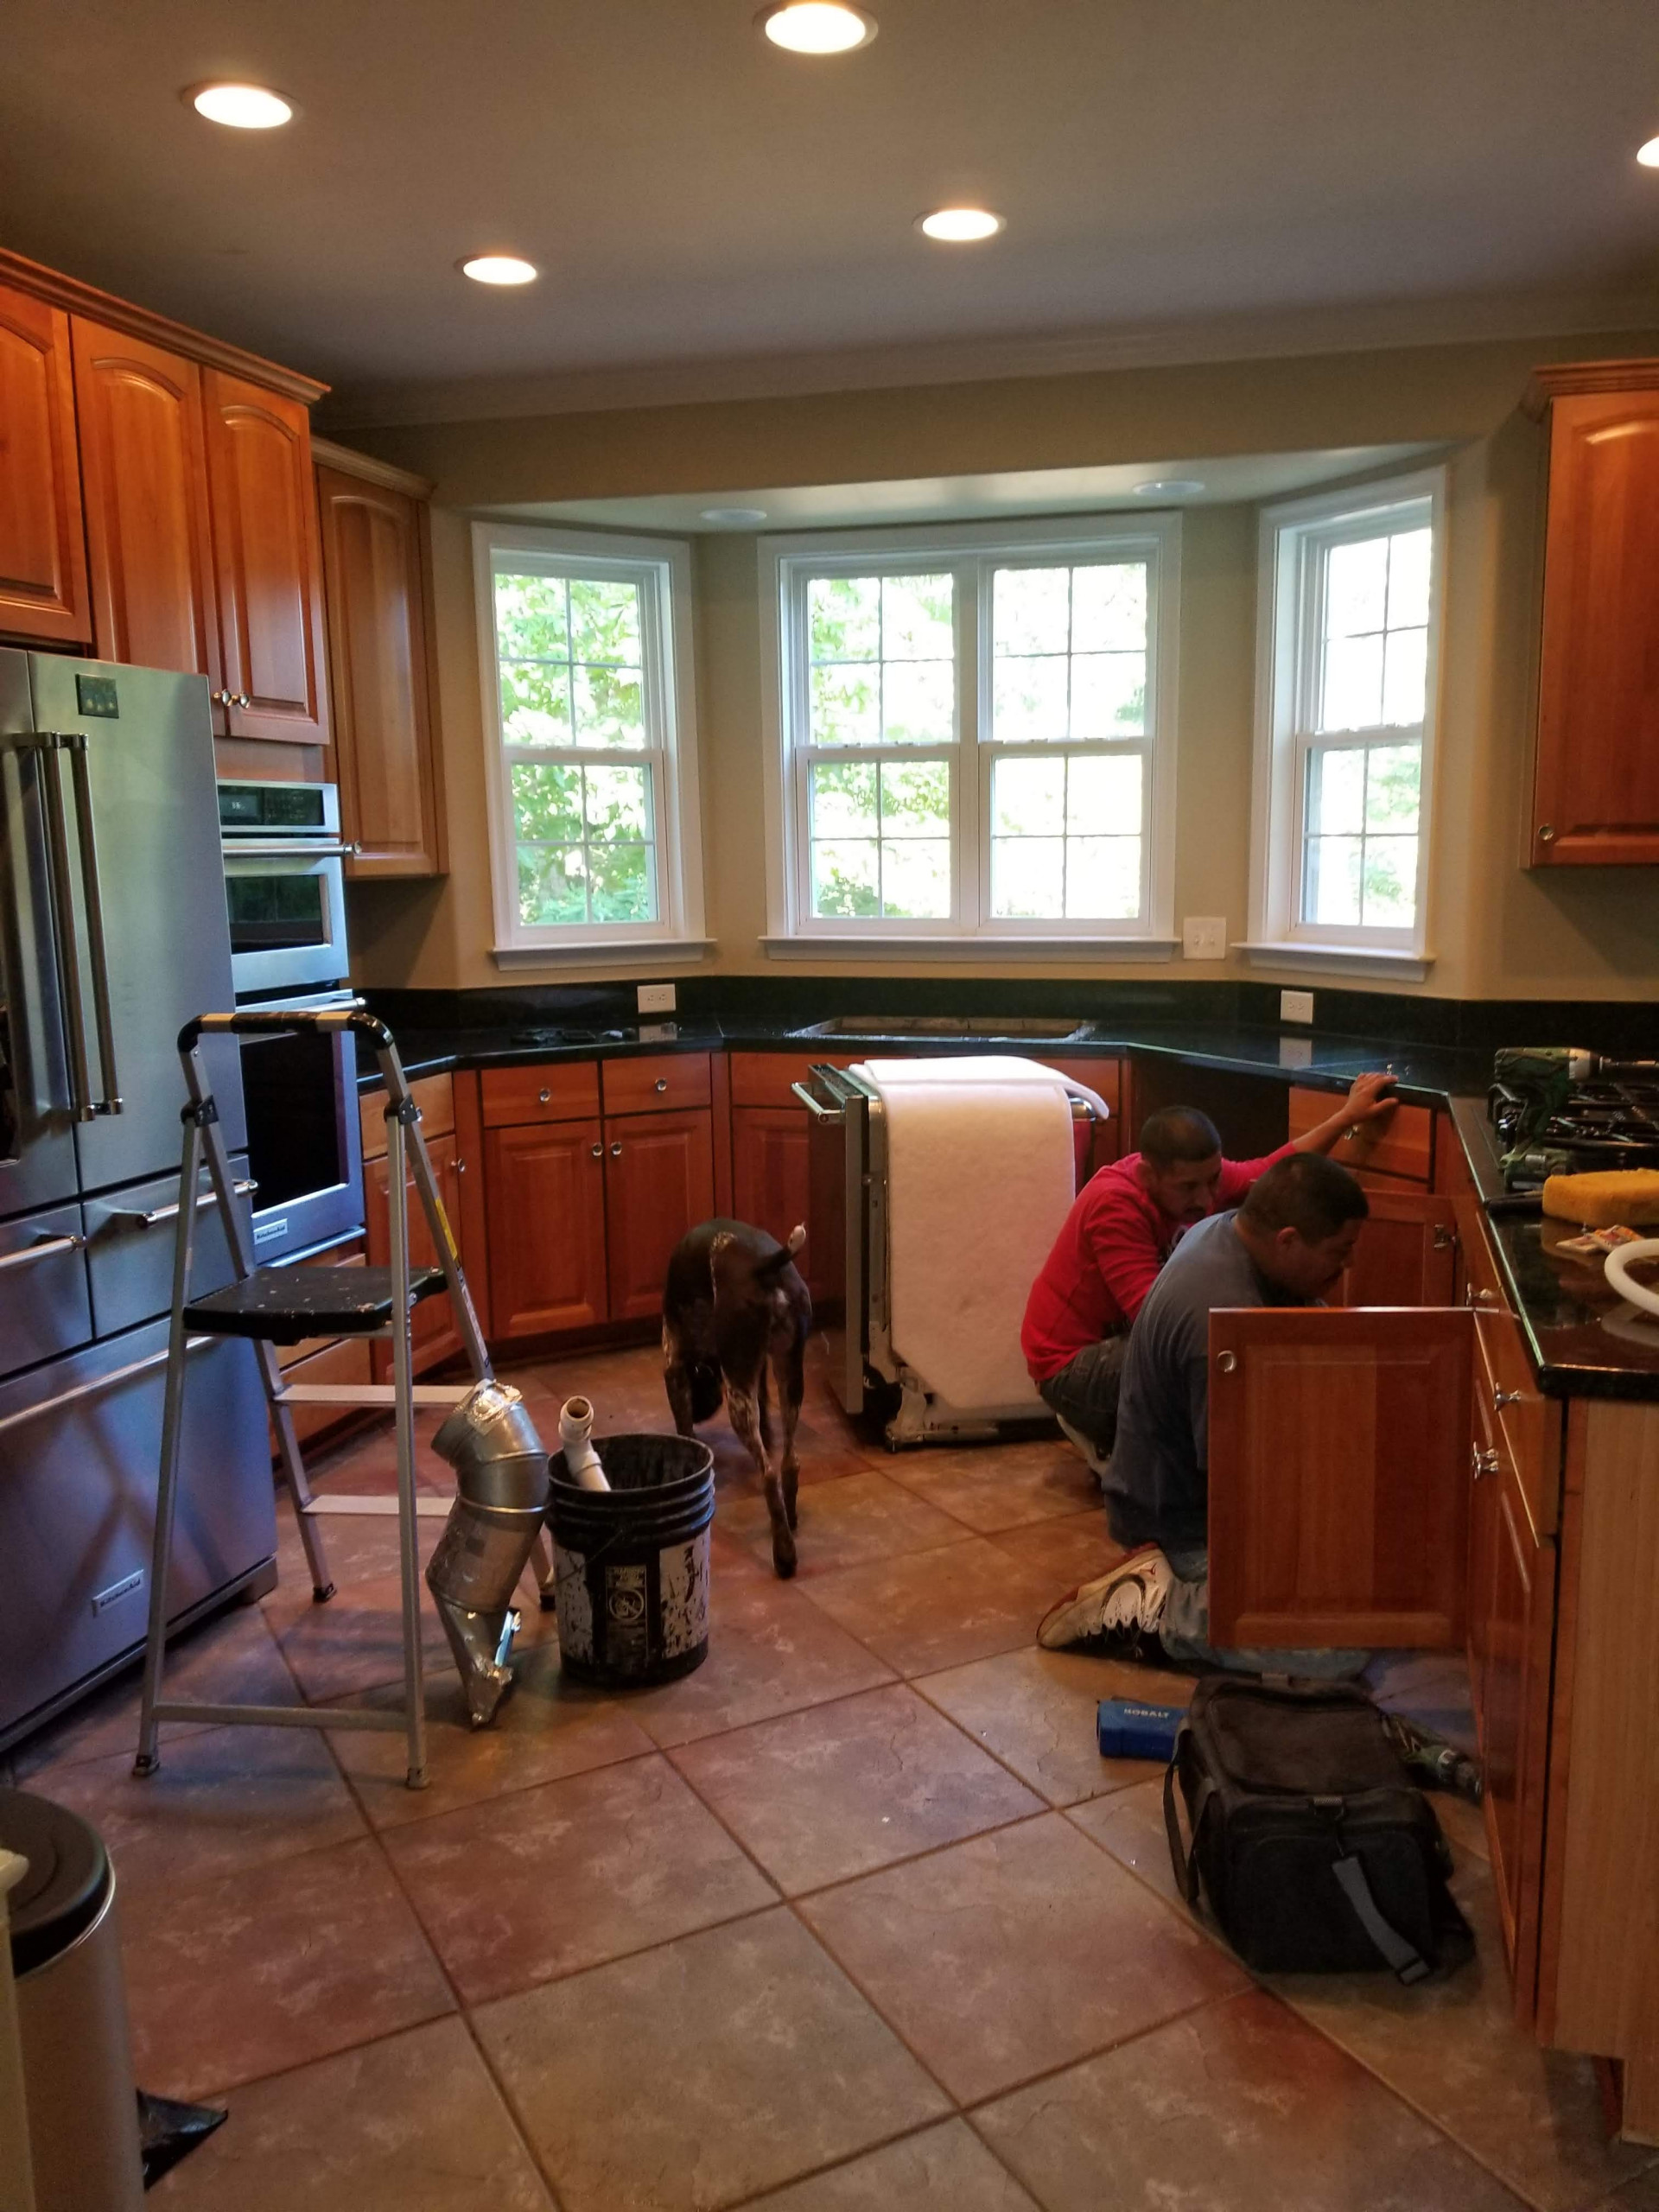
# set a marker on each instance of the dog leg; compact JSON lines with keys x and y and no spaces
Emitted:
{"x":745,"y":1408}
{"x":676,"y":1381}
{"x":789,"y":1371}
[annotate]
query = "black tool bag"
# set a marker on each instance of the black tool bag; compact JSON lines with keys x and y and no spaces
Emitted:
{"x":1315,"y":1852}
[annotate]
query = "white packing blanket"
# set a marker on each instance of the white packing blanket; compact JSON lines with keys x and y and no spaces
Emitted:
{"x":981,"y":1175}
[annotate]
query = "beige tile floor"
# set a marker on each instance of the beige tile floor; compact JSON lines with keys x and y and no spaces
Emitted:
{"x":854,"y":1917}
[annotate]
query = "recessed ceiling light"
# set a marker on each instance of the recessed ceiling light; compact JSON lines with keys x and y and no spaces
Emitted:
{"x":1649,"y":155}
{"x":1168,"y":487}
{"x":243,"y":107}
{"x":959,"y":225}
{"x":734,"y":517}
{"x":499,"y":269}
{"x":817,"y":26}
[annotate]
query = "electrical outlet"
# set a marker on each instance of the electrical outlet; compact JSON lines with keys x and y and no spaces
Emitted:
{"x":1203,"y":936}
{"x":656,"y":998}
{"x":1295,"y":1006}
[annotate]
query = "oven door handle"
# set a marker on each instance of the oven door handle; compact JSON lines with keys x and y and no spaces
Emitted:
{"x":133,"y":1218}
{"x":288,"y":848}
{"x":835,"y":1115}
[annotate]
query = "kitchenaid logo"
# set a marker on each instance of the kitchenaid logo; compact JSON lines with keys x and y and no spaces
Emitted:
{"x":125,"y":1588}
{"x":265,"y":1230}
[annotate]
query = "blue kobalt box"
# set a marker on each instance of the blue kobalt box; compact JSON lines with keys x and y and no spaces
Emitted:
{"x":1128,"y":1731}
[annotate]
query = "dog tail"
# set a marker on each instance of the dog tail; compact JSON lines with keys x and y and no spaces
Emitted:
{"x":775,"y":1262}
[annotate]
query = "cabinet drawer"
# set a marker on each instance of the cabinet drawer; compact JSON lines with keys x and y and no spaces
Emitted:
{"x":565,"y":1092}
{"x":434,"y":1094}
{"x":663,"y":1083}
{"x":1403,"y":1145}
{"x":764,"y":1079}
{"x":1525,"y":1425}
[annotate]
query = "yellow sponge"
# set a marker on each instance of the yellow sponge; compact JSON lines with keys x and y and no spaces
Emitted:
{"x":1628,"y":1195}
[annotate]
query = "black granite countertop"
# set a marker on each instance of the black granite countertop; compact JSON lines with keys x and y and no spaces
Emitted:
{"x":1585,"y":1341}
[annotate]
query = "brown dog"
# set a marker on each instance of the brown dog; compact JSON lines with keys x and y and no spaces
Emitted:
{"x":732,"y":1301}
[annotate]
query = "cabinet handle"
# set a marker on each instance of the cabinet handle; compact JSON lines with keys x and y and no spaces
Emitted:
{"x":1473,"y":1297}
{"x":1483,"y":1462}
{"x":1545,"y":833}
{"x":662,"y":1083}
{"x":224,"y":698}
{"x":598,"y":1152}
{"x":616,"y":1150}
{"x":460,"y":1167}
{"x":1502,"y":1398}
{"x":543,"y":1096}
{"x":1227,"y":1362}
{"x":1445,"y":1240}
{"x":243,"y":700}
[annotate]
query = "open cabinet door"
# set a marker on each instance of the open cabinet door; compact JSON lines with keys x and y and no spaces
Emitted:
{"x":1339,"y":1476}
{"x":1408,"y":1251}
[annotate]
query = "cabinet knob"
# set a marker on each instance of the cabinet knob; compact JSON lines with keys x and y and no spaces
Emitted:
{"x":243,"y":700}
{"x":1227,"y":1362}
{"x":1473,"y":1297}
{"x":662,"y":1083}
{"x":460,"y":1167}
{"x":1502,"y":1398}
{"x":544,"y":1096}
{"x":598,"y":1152}
{"x":616,"y":1151}
{"x":1483,"y":1462}
{"x":1545,"y":833}
{"x":224,"y":698}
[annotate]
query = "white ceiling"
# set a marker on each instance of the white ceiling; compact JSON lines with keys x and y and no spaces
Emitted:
{"x":690,"y":193}
{"x":1227,"y":479}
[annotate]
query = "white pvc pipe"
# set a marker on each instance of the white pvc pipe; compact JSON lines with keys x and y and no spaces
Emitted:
{"x":1618,"y":1261}
{"x":16,"y":2169}
{"x":576,"y":1435}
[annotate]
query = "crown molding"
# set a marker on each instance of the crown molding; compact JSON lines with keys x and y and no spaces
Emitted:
{"x":1559,"y":379}
{"x":1348,"y":329}
{"x":368,"y":470}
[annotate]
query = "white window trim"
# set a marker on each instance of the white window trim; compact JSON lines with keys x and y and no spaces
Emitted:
{"x":1278,"y":938}
{"x":792,"y":930}
{"x":664,"y":564}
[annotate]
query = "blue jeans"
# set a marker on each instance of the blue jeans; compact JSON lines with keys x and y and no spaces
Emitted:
{"x":1183,"y":1632}
{"x":1084,"y":1392}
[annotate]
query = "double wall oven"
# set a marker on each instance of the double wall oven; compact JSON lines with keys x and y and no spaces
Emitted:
{"x":285,"y":891}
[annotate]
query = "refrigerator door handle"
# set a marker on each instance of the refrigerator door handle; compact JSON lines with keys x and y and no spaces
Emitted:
{"x":68,"y":958}
{"x":45,"y":1247}
{"x":75,"y":745}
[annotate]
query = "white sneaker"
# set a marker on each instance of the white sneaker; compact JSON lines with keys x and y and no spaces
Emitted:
{"x":1123,"y":1607}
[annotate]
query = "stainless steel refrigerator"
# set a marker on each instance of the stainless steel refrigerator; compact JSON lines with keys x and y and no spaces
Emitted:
{"x":112,"y":933}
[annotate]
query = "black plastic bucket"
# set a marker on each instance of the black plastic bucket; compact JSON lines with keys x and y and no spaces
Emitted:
{"x":631,"y":1564}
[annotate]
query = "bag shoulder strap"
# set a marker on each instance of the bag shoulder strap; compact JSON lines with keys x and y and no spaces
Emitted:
{"x":1185,"y":1864}
{"x":1409,"y":1963}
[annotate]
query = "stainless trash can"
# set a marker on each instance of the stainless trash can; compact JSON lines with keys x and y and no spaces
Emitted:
{"x":71,"y":2012}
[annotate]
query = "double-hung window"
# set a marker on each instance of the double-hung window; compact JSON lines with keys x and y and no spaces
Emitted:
{"x":585,"y":659}
{"x":973,"y":735}
{"x":1350,"y":590}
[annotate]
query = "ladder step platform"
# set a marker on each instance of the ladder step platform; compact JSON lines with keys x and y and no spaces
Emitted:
{"x":287,"y":1304}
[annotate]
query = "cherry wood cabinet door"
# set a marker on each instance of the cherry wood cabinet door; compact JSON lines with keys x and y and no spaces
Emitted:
{"x":432,"y":1333}
{"x":378,"y":675}
{"x":544,"y":1205}
{"x":659,"y":1181}
{"x":1408,"y":1251}
{"x":771,"y":1177}
{"x":266,"y":570}
{"x":145,"y":473}
{"x":1596,"y":786}
{"x":1339,"y":1485}
{"x":42,"y":538}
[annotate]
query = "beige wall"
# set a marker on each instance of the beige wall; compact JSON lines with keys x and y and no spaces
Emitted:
{"x":1497,"y":931}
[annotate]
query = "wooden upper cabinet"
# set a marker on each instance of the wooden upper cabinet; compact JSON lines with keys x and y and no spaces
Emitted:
{"x":1596,"y":784}
{"x":1339,"y":1450}
{"x":144,"y":472}
{"x":374,"y":578}
{"x":42,"y":543}
{"x":266,"y":575}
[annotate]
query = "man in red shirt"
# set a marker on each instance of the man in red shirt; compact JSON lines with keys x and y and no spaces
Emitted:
{"x":1124,"y":1223}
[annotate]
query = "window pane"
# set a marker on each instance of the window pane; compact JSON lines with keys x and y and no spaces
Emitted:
{"x":547,"y":803}
{"x":1109,"y":695}
{"x":916,"y":877}
{"x":1027,"y":878}
{"x":844,"y":616}
{"x":1405,"y":676}
{"x":1028,"y":798}
{"x":1031,"y":610}
{"x":609,"y":705}
{"x":1391,"y":882}
{"x":846,"y":706}
{"x":1410,"y":558}
{"x":1104,"y":794}
{"x":915,"y":799}
{"x":1102,"y":878}
{"x":1331,"y":886}
{"x":535,"y":703}
{"x":1393,"y":773}
{"x":1028,"y":701}
{"x":1109,"y":607}
{"x":1353,"y":684}
{"x":617,"y":799}
{"x":604,"y":621}
{"x":843,"y":799}
{"x":1356,"y":588}
{"x":530,"y":618}
{"x":1336,"y":791}
{"x":622,"y":881}
{"x":919,"y":702}
{"x":552,"y":885}
{"x":845,"y":878}
{"x":917,"y":618}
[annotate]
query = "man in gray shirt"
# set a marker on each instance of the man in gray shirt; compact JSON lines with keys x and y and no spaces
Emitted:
{"x":1286,"y":1245}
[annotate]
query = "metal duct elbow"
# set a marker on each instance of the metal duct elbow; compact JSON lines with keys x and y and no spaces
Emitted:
{"x":501,"y":1493}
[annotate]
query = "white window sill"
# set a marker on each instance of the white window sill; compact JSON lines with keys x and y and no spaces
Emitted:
{"x":898,"y":947}
{"x":1379,"y":962}
{"x":620,"y":952}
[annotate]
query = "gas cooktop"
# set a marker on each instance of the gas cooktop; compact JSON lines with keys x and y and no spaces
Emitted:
{"x":647,"y":1033}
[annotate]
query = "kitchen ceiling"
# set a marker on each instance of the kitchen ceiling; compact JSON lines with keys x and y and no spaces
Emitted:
{"x":692,"y":195}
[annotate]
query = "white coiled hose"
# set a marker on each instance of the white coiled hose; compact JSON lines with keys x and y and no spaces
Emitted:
{"x":1619,"y":1264}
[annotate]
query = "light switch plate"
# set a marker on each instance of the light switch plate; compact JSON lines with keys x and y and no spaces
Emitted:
{"x":656,"y":998}
{"x":1295,"y":1006}
{"x":1203,"y":936}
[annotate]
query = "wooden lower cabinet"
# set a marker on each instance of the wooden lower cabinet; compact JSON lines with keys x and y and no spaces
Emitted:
{"x":1408,"y":1251}
{"x":544,"y":1207}
{"x":659,"y":1181}
{"x":770,"y":1184}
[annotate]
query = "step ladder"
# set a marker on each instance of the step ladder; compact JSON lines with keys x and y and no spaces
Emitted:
{"x":284,"y":1305}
